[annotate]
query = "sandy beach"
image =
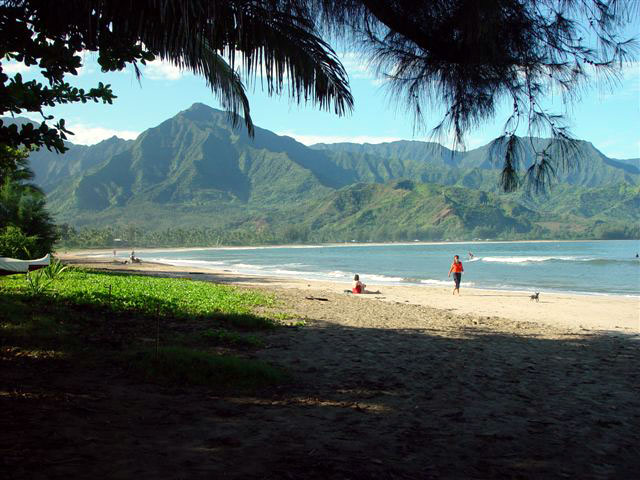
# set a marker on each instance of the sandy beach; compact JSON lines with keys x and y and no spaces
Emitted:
{"x":409,"y":384}
{"x":605,"y":313}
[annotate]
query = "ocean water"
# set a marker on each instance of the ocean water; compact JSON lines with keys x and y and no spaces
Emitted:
{"x":594,"y":267}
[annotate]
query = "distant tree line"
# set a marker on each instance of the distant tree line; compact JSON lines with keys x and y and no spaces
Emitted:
{"x":71,"y":237}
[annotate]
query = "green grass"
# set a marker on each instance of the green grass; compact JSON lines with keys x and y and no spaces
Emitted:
{"x":289,"y":319}
{"x":180,"y":365}
{"x":26,"y":321}
{"x":78,"y":317}
{"x":41,"y":328}
{"x":152,"y":296}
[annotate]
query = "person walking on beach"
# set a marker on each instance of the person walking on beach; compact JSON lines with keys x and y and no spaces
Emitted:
{"x":456,"y":268}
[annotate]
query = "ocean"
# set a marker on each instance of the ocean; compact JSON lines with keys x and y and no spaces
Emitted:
{"x":588,"y":267}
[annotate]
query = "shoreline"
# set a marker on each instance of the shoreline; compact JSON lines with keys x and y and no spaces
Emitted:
{"x":604,"y":313}
{"x":324,"y":245}
{"x":490,"y":395}
{"x":107,"y":254}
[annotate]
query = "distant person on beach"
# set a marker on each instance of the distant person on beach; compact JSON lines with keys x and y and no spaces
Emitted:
{"x":470,"y":255}
{"x":456,"y":269}
{"x":359,"y":287}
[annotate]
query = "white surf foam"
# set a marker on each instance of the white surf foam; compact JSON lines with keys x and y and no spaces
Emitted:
{"x":338,"y":274}
{"x":248,"y":266}
{"x":188,"y":263}
{"x":530,"y":259}
{"x":441,"y":283}
{"x":372,"y":277}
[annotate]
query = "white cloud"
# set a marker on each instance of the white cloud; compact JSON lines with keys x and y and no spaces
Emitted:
{"x":378,"y":82}
{"x":15,"y":67}
{"x":36,"y":117}
{"x":356,"y":66}
{"x":359,"y":68}
{"x":630,"y":70}
{"x":631,"y":76}
{"x":85,"y":70}
{"x":162,"y":70}
{"x":312,"y":139}
{"x":88,"y":135}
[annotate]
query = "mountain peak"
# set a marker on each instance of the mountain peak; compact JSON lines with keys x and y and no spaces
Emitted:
{"x":201,"y":112}
{"x":198,"y":106}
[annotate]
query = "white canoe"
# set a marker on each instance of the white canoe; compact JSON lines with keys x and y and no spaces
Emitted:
{"x":13,"y":265}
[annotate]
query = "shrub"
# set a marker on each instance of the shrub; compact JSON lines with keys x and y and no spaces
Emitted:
{"x":15,"y":244}
{"x":54,"y":269}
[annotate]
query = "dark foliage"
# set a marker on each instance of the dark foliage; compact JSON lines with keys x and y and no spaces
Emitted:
{"x":202,"y":36}
{"x":469,"y":56}
{"x":26,"y":228}
{"x":465,"y":55}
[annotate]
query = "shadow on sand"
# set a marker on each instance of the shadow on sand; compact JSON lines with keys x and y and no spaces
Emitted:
{"x":363,"y":403}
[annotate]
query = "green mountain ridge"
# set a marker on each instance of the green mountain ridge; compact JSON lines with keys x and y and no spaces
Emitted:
{"x":195,"y":171}
{"x":590,"y":167}
{"x":52,"y":169}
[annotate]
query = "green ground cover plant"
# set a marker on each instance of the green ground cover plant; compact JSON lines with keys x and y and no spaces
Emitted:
{"x":198,"y":332}
{"x":146,"y":295}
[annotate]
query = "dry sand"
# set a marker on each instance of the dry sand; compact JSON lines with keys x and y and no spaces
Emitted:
{"x":411,"y":384}
{"x":612,"y":313}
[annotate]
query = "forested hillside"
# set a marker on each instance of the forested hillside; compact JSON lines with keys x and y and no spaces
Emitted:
{"x":195,"y":180}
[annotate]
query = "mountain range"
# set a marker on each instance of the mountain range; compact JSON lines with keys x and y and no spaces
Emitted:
{"x":196,"y":171}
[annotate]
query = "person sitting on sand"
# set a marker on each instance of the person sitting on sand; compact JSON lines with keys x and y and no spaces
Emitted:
{"x":359,"y":287}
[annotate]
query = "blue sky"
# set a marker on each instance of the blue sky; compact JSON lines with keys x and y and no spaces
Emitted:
{"x":609,"y":117}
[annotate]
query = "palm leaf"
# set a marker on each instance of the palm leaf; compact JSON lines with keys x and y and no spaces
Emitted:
{"x":264,"y":37}
{"x":275,"y":40}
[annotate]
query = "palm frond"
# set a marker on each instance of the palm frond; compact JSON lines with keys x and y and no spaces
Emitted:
{"x":273,"y":38}
{"x":227,"y":86}
{"x":263,"y":36}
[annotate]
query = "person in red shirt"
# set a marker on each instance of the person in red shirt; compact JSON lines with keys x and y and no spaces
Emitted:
{"x":359,"y":287}
{"x":456,"y":268}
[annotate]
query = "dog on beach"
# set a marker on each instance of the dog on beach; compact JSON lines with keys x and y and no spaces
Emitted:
{"x":535,"y":297}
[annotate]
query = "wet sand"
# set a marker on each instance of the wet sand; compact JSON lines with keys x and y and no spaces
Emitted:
{"x":610,"y":313}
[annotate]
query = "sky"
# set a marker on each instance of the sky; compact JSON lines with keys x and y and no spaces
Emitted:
{"x":607,"y":117}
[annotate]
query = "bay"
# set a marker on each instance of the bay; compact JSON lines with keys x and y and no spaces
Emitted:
{"x":590,"y":267}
